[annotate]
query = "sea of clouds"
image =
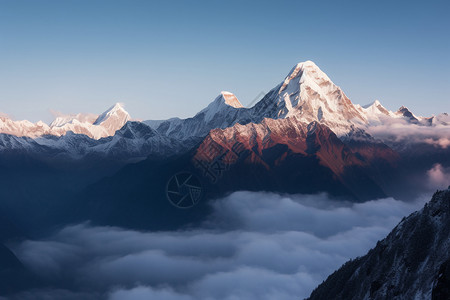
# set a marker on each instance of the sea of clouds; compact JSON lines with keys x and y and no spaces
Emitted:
{"x":253,"y":246}
{"x":400,"y":131}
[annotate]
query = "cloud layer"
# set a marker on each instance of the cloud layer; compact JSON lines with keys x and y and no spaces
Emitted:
{"x":438,"y":177}
{"x":398,"y":130}
{"x":254,"y":246}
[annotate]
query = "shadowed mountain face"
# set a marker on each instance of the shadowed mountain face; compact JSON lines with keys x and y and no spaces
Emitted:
{"x":284,"y":156}
{"x":412,"y":262}
{"x":13,"y":275}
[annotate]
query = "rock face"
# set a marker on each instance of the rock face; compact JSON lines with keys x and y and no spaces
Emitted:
{"x":13,"y":275}
{"x":412,"y":262}
{"x":290,"y":145}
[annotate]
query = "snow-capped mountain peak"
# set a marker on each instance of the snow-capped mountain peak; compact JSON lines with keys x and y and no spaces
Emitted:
{"x":304,"y":71}
{"x":375,"y":103}
{"x":62,"y":120}
{"x":113,"y":119}
{"x":116,"y":112}
{"x":22,"y":128}
{"x":91,"y":125}
{"x":407,"y":114}
{"x":308,"y":94}
{"x":231,"y":100}
{"x":223,"y":104}
{"x":375,"y":110}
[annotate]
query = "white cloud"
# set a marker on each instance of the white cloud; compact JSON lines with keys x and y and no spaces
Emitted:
{"x":443,"y":142}
{"x":438,"y":177}
{"x":254,"y":246}
{"x":401,"y":131}
{"x":146,"y":293}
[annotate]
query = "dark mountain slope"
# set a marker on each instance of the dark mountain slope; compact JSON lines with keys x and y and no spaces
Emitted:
{"x":412,"y":262}
{"x":277,"y":156}
{"x":13,"y":275}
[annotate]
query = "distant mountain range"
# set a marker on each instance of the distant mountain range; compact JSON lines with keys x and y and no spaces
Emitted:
{"x":304,"y":136}
{"x":306,"y":95}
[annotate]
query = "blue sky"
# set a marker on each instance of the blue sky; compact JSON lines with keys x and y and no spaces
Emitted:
{"x":171,"y":58}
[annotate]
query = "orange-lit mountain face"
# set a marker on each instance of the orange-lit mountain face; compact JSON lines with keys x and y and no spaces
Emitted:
{"x":291,"y":145}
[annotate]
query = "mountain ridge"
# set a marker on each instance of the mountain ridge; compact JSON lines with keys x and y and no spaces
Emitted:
{"x":412,"y":262}
{"x":306,"y":93}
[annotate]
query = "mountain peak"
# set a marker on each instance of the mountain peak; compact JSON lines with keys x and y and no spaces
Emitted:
{"x":402,"y":109}
{"x":224,"y":102}
{"x":113,"y":119}
{"x":405,"y":112}
{"x":308,"y":64}
{"x":231,"y":100}
{"x":372,"y":104}
{"x":306,"y":69}
{"x":63,"y":119}
{"x":374,"y":109}
{"x":308,"y":94}
{"x":117,"y":111}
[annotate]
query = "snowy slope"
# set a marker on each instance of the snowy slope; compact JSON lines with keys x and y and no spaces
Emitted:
{"x":93,"y":126}
{"x":309,"y":95}
{"x":223,"y":112}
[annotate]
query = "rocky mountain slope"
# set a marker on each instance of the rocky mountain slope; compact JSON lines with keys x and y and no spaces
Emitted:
{"x":412,"y":262}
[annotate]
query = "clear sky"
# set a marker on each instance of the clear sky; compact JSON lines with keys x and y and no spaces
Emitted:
{"x":171,"y":58}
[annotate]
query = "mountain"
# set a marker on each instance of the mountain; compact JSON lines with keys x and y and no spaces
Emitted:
{"x":306,"y":95}
{"x":23,"y":128}
{"x":412,"y":262}
{"x":304,"y":136}
{"x":13,"y":275}
{"x":309,"y":95}
{"x":296,"y":154}
{"x":281,"y":155}
{"x":224,"y":111}
{"x":90,"y":125}
{"x":113,"y":119}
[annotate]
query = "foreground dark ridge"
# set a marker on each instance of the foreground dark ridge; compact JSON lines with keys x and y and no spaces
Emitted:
{"x":412,"y":262}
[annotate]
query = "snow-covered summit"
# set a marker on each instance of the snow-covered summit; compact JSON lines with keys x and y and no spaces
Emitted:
{"x":113,"y":119}
{"x":223,"y":104}
{"x":231,"y":100}
{"x":23,"y":128}
{"x":308,"y":94}
{"x":94,"y":126}
{"x":62,"y":120}
{"x":116,"y":112}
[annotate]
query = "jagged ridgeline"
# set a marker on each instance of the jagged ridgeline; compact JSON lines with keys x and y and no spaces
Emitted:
{"x":412,"y":262}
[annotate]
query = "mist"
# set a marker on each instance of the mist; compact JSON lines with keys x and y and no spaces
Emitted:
{"x":253,"y":246}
